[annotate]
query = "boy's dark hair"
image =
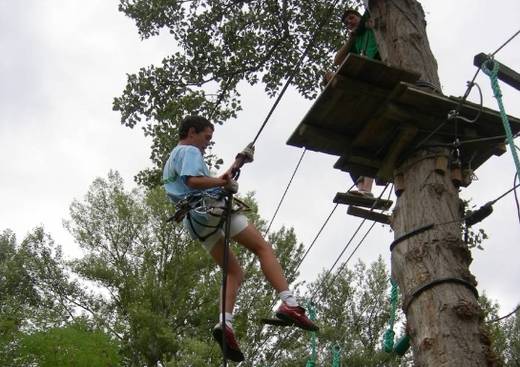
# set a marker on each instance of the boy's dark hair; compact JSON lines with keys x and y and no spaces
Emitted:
{"x":349,"y":11}
{"x":199,"y":123}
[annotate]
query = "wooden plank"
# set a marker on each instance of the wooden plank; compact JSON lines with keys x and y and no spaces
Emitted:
{"x":367,"y":214}
{"x":358,"y":200}
{"x":352,"y":86}
{"x":321,"y":140}
{"x":406,"y":136}
{"x":375,"y":72}
{"x":437,"y":105}
{"x":375,"y":129}
{"x":357,"y":169}
{"x":360,"y":118}
{"x":505,"y":74}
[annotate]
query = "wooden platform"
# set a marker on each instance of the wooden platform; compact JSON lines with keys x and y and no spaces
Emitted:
{"x":357,"y":200}
{"x":369,"y":215}
{"x":371,"y":115}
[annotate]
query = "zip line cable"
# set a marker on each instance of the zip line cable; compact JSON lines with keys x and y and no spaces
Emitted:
{"x":308,"y":250}
{"x":285,"y":192}
{"x":505,"y":316}
{"x":325,"y":279}
{"x":294,"y":70}
{"x":360,"y":242}
{"x":315,"y":239}
{"x":455,"y":113}
{"x":346,"y":247}
{"x":505,"y":43}
{"x":466,"y":94}
{"x":339,"y":257}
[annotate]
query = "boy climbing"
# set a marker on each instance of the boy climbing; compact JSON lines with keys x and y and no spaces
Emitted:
{"x":187,"y":181}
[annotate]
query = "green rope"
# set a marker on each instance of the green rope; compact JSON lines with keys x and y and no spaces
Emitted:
{"x":388,"y":338}
{"x":492,"y":73}
{"x":336,"y":356}
{"x":311,"y":362}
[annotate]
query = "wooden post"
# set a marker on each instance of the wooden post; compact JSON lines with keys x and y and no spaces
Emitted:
{"x":444,"y":321}
{"x":432,"y":267}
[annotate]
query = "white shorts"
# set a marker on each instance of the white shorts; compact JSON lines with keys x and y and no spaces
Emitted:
{"x":204,"y":224}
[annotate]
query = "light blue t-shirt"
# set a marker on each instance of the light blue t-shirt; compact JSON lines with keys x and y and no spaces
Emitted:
{"x":184,"y":161}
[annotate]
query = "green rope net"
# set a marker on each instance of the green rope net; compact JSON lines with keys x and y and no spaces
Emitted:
{"x":388,"y":338}
{"x":311,"y":362}
{"x":492,"y":72}
{"x":336,"y":356}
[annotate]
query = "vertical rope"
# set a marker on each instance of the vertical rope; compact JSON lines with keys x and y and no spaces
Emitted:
{"x":225,"y":265}
{"x":492,"y":73}
{"x":388,"y":338}
{"x":311,"y":362}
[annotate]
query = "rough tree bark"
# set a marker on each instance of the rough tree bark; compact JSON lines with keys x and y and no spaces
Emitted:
{"x":444,"y":322}
{"x":400,"y":30}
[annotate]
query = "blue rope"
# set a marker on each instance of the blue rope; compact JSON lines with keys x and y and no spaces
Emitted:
{"x":492,"y":73}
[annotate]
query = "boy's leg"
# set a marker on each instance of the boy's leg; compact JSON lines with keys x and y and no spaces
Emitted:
{"x":253,"y":241}
{"x":365,"y":184}
{"x":234,"y":273}
{"x":289,"y":309}
{"x":234,"y":278}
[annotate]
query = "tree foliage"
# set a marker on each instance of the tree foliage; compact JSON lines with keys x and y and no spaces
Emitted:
{"x":160,"y":288}
{"x":143,"y":288}
{"x":70,"y":346}
{"x":218,"y":45}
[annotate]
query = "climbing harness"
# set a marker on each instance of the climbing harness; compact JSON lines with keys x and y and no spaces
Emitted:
{"x":205,"y":203}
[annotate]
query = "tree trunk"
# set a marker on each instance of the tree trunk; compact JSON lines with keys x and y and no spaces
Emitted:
{"x":444,"y":321}
{"x":400,"y":30}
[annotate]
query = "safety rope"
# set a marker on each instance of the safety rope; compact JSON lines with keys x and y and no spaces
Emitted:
{"x":492,"y":72}
{"x":225,"y":266}
{"x":388,"y":337}
{"x":285,"y":192}
{"x":506,"y":42}
{"x":298,"y":63}
{"x":311,"y":362}
{"x":325,"y":278}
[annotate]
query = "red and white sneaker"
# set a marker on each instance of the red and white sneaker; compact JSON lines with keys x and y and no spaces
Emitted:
{"x":233,"y":351}
{"x":295,"y":315}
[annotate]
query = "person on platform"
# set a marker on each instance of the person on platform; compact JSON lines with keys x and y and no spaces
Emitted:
{"x":361,"y":41}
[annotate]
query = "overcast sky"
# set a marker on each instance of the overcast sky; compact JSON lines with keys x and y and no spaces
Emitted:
{"x":63,"y":62}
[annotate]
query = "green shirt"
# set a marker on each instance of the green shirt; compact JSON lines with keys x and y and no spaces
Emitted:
{"x":365,"y":40}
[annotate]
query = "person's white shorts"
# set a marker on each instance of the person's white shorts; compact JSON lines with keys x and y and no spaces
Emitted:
{"x":204,"y":227}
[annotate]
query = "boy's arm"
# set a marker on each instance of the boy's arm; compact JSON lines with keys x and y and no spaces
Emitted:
{"x":206,"y":182}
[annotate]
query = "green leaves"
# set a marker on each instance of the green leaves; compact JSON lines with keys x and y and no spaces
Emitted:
{"x":222,"y":43}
